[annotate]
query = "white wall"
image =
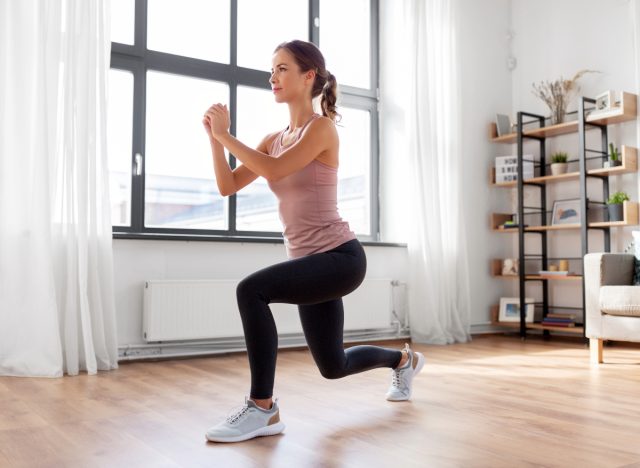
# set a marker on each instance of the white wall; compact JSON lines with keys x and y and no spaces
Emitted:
{"x":486,"y":84}
{"x":138,"y":260}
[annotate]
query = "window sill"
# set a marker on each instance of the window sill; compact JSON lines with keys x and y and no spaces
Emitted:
{"x":214,"y":238}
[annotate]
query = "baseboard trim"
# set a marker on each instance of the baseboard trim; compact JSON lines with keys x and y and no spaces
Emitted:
{"x":158,"y":351}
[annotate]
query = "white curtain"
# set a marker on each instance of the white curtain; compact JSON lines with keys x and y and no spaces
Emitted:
{"x":57,"y":311}
{"x":420,"y":102}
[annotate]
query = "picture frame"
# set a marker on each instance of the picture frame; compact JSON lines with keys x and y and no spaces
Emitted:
{"x":510,"y":309}
{"x":605,"y":101}
{"x":566,"y":212}
{"x":503,"y":124}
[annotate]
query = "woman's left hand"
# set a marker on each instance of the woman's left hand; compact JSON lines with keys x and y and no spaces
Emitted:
{"x":219,"y":119}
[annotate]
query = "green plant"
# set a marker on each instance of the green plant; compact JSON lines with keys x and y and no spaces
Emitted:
{"x":614,"y":154}
{"x":617,"y":198}
{"x":559,"y":157}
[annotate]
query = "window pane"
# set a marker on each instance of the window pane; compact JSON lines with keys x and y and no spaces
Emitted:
{"x":354,"y":201}
{"x":348,"y":59}
{"x":263,"y":25}
{"x":119,"y":129}
{"x":180,"y":188}
{"x":193,"y":28}
{"x":122,"y":21}
{"x":258,"y":115}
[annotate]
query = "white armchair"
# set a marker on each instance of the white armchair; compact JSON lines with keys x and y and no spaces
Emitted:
{"x":612,"y":302}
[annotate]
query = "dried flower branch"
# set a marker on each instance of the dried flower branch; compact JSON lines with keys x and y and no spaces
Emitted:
{"x":557,"y":94}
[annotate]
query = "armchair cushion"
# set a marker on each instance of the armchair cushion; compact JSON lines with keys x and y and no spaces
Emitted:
{"x":620,"y":300}
{"x":636,"y":251}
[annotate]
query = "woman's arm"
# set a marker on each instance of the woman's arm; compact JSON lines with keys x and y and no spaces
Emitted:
{"x":230,"y":182}
{"x":319,"y":136}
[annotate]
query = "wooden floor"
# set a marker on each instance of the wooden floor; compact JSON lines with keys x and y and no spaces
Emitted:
{"x":495,"y":402}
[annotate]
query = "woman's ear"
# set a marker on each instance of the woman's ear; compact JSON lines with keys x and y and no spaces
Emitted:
{"x":310,"y":75}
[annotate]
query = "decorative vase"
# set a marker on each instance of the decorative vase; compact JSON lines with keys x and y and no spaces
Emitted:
{"x":558,"y":113}
{"x":559,"y":168}
{"x":615,"y":212}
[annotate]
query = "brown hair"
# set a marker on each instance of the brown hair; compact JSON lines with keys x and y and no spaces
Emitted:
{"x":308,"y":57}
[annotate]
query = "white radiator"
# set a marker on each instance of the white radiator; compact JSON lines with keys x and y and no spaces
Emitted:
{"x":202,"y":309}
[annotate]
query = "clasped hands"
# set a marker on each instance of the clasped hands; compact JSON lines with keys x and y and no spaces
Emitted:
{"x":216,"y":120}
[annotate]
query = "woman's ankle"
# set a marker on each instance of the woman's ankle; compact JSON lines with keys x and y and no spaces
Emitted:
{"x":264,"y":403}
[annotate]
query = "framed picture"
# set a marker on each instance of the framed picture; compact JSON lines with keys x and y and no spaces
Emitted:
{"x":566,"y":212}
{"x":503,"y":124}
{"x":605,"y":101}
{"x":510,"y":309}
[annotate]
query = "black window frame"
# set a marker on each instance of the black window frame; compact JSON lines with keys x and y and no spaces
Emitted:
{"x":137,"y":59}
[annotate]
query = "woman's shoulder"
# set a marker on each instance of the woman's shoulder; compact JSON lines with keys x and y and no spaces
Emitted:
{"x":267,"y":141}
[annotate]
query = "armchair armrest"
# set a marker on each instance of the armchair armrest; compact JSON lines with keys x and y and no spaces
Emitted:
{"x":603,"y":269}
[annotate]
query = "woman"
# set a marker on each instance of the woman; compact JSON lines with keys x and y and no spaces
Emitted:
{"x":326,"y":261}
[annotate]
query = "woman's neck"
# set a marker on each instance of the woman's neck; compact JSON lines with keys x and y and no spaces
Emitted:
{"x":299,"y":114}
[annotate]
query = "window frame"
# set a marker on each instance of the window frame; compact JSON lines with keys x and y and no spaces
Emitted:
{"x":137,"y":59}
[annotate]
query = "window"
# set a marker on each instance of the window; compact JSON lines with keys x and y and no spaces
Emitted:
{"x":171,"y":59}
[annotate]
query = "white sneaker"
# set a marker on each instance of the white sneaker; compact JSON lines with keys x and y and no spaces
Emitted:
{"x":248,"y":422}
{"x":401,"y":378}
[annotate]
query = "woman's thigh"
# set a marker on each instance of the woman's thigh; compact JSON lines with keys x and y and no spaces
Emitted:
{"x":309,"y":280}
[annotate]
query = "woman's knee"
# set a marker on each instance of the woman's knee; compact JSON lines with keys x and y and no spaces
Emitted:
{"x":248,"y":288}
{"x":331,"y":372}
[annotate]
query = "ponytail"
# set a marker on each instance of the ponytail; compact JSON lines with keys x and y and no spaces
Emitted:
{"x":329,"y":98}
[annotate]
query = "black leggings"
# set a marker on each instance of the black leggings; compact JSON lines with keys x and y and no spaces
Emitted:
{"x":317,"y":284}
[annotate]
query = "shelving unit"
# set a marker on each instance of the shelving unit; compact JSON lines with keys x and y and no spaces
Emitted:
{"x":586,"y":121}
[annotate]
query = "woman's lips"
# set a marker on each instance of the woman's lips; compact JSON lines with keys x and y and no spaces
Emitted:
{"x":275,"y":90}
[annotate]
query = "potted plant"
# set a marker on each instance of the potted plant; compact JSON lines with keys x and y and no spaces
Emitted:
{"x":615,"y":203}
{"x":559,"y":163}
{"x":614,"y":157}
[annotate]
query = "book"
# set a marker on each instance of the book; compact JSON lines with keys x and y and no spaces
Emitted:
{"x":558,"y":320}
{"x":558,"y":324}
{"x":561,"y":315}
{"x":553,"y":273}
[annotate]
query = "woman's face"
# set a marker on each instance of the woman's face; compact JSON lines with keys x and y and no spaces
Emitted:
{"x":287,"y":81}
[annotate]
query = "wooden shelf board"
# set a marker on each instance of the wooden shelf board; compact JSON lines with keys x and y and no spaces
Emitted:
{"x":554,"y":178}
{"x":554,"y":130}
{"x":510,"y":230}
{"x":534,"y":277}
{"x":554,"y":278}
{"x":626,"y":112}
{"x":539,"y":326}
{"x":552,"y":228}
{"x":611,"y":224}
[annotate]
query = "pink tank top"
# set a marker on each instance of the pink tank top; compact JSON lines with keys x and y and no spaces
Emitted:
{"x":308,"y":205}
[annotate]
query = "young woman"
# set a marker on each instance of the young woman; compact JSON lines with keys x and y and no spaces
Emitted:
{"x":326,"y":261}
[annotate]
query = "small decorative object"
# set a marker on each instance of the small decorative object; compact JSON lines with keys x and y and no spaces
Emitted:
{"x":615,"y":203}
{"x":563,"y":265}
{"x":557,"y":94}
{"x":559,"y":163}
{"x":503,"y":124}
{"x":614,"y":157}
{"x":566,"y":212}
{"x":553,"y":267}
{"x":510,"y":309}
{"x":509,"y":267}
{"x":605,"y":101}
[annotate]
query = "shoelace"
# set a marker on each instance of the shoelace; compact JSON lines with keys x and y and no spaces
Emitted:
{"x":395,"y":380}
{"x":238,"y":414}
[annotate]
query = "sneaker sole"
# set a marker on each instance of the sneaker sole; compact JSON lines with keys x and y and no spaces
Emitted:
{"x":416,"y":371}
{"x":261,"y":432}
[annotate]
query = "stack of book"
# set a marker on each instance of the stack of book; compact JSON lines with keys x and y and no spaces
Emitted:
{"x":556,"y":319}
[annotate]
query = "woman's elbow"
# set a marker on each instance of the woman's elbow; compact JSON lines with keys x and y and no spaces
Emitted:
{"x":226,"y":191}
